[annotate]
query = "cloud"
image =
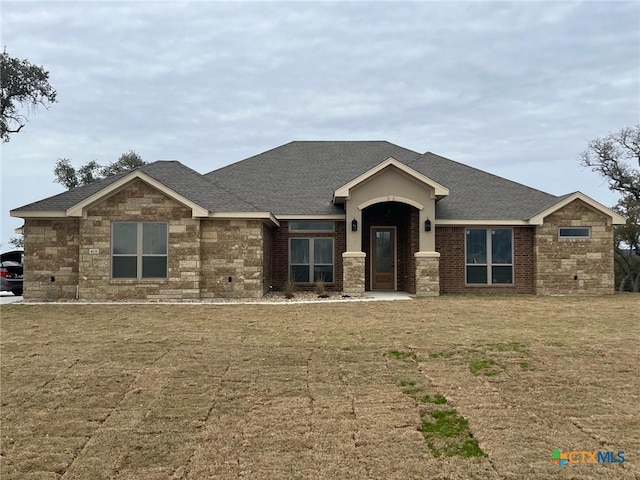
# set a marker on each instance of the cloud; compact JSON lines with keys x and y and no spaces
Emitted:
{"x":515,"y":88}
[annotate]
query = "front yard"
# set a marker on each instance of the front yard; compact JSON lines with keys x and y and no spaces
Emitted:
{"x":449,"y":387}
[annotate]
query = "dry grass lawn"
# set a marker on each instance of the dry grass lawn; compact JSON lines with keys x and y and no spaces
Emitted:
{"x":311,"y":391}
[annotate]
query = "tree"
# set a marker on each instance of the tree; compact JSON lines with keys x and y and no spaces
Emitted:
{"x":66,"y":175}
{"x":614,"y":158}
{"x":23,"y":85}
{"x":17,"y":242}
{"x":609,"y":157}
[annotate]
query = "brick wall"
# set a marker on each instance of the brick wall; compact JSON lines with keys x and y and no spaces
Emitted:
{"x":280,"y":252}
{"x":450,"y":245}
{"x":139,"y":202}
{"x":50,"y":250}
{"x":574,"y":266}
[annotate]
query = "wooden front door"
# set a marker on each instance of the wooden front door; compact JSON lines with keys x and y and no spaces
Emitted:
{"x":383,"y":258}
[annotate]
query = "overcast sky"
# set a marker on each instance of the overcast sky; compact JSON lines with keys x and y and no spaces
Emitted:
{"x":516,"y":89}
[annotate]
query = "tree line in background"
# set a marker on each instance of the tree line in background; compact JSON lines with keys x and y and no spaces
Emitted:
{"x":615,"y":158}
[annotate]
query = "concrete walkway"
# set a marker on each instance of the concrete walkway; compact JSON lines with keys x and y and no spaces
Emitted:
{"x":387,"y":296}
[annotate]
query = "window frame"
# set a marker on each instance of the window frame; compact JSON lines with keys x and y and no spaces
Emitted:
{"x":139,"y":255}
{"x":298,"y":230}
{"x":489,"y":260}
{"x":574,"y":237}
{"x":311,"y":265}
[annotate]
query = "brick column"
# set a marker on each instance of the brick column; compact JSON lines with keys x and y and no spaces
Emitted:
{"x":353,"y":273}
{"x":427,"y":274}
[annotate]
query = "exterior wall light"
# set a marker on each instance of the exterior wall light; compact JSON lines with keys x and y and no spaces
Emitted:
{"x":354,"y":225}
{"x":427,"y":225}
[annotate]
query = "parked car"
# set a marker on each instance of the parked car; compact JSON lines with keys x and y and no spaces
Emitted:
{"x":11,"y":272}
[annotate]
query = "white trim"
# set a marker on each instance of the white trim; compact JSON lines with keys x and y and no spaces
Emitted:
{"x":336,"y":216}
{"x":343,"y":191}
{"x":354,"y":254}
{"x":245,"y":215}
{"x":615,"y":218}
{"x":19,"y":230}
{"x":390,"y":198}
{"x":78,"y":210}
{"x":395,"y":254}
{"x":427,"y":255}
{"x":465,"y":223}
{"x":38,"y":214}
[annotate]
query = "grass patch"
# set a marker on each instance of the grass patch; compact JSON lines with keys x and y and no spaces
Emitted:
{"x":447,"y":435}
{"x":525,"y":366}
{"x":509,"y":347}
{"x":400,"y":355}
{"x":485,"y":366}
{"x":441,"y":355}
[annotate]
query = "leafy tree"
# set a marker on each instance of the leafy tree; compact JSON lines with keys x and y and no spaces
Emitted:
{"x":23,"y":85}
{"x":615,"y":158}
{"x":70,"y":177}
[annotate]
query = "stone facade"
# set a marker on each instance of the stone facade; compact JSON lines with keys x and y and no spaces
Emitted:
{"x":232,"y":259}
{"x":353,"y":273}
{"x":139,"y":202}
{"x":427,"y":274}
{"x":51,"y":259}
{"x":206,"y":258}
{"x":68,"y":258}
{"x":580,"y":266}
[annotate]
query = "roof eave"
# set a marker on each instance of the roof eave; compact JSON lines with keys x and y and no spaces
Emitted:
{"x":342,"y":193}
{"x":614,"y":218}
{"x":79,"y":209}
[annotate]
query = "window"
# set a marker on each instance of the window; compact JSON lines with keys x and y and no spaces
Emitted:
{"x":489,"y":256}
{"x":139,"y":250}
{"x":574,"y":232}
{"x":311,"y":226}
{"x":311,"y":259}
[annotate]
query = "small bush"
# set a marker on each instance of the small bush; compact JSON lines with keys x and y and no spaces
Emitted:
{"x":289,"y":289}
{"x":320,"y":287}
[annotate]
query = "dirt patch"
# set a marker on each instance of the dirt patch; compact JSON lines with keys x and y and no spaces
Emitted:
{"x":306,"y":391}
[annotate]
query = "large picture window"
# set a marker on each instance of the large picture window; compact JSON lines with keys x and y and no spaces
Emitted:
{"x":310,"y":260}
{"x":139,"y":249}
{"x":489,"y":256}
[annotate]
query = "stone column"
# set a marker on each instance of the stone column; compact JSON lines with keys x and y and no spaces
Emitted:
{"x":427,"y":274}
{"x":353,"y":273}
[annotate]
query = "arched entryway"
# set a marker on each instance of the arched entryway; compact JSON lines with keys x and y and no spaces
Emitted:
{"x":390,"y":239}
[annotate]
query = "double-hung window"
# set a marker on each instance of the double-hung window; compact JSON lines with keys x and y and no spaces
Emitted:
{"x":489,"y":256}
{"x":139,"y":249}
{"x":310,"y":260}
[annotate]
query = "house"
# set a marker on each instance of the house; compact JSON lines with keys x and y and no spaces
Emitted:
{"x":359,"y":216}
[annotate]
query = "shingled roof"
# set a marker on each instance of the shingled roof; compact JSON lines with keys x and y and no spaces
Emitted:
{"x":174,"y":175}
{"x":299,"y":178}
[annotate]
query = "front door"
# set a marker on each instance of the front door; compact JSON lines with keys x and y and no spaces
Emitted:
{"x":383,"y":258}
